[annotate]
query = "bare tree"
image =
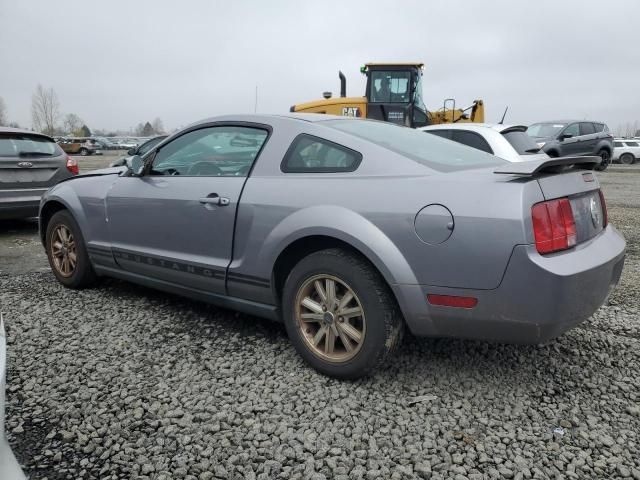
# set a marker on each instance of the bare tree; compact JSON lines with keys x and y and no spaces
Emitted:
{"x":158,"y":126}
{"x":45,"y":110}
{"x":72,"y":124}
{"x":3,"y":113}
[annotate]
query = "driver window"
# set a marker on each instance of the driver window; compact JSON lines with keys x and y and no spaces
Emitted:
{"x":226,"y":151}
{"x":572,"y":130}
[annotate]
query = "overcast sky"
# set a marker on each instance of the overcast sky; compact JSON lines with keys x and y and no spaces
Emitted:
{"x":117,"y":63}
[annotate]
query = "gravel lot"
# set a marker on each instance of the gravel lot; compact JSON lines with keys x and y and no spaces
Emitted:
{"x":125,"y":382}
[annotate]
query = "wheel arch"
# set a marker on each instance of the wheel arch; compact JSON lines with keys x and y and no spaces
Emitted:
{"x":47,"y":211}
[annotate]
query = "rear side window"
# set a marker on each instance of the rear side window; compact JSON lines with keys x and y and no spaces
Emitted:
{"x":522,"y":143}
{"x":599,"y":127}
{"x":309,"y":154}
{"x":586,"y":128}
{"x":632,"y":144}
{"x":471,"y":139}
{"x":440,"y":133}
{"x":25,"y":145}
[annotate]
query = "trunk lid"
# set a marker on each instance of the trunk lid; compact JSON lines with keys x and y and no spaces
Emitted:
{"x":30,"y":161}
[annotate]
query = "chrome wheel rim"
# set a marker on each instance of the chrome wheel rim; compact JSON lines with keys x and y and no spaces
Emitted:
{"x":63,"y":251}
{"x":330,"y":318}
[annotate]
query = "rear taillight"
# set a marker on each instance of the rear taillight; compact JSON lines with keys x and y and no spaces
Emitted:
{"x":72,"y":165}
{"x":554,"y":227}
{"x":605,"y":215}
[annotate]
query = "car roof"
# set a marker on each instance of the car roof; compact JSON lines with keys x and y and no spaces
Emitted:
{"x":266,"y":117}
{"x":498,"y":127}
{"x":24,"y":131}
{"x":569,"y":121}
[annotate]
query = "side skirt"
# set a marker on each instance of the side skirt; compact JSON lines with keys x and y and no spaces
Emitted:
{"x":263,"y":310}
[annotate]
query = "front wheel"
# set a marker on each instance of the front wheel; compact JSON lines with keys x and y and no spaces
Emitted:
{"x":627,"y":159}
{"x":67,"y":253}
{"x":340,"y":314}
{"x":605,"y":160}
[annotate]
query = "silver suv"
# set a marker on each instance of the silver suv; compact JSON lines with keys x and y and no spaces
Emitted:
{"x":574,"y":137}
{"x":30,"y":163}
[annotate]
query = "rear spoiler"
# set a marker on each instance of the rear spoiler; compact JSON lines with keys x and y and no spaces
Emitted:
{"x":552,"y":165}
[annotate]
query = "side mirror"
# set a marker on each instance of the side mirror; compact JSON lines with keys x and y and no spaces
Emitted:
{"x":135,"y":165}
{"x":564,"y":135}
{"x":132,"y":151}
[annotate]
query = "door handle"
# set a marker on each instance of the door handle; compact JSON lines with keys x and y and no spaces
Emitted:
{"x":214,"y":199}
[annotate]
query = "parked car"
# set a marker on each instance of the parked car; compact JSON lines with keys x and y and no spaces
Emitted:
{"x":509,"y":142}
{"x":626,"y":151}
{"x":347,"y":230}
{"x":127,"y":143}
{"x":574,"y":137}
{"x":79,"y":145}
{"x":139,"y":150}
{"x":104,"y":143}
{"x":30,"y":163}
{"x":9,"y":466}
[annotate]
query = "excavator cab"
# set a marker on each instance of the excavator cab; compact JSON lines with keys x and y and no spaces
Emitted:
{"x":394,"y":93}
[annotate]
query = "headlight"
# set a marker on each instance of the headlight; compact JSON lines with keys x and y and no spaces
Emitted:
{"x":541,"y":144}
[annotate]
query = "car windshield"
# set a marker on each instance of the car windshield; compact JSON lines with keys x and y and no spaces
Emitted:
{"x":23,"y":145}
{"x":390,"y":86}
{"x":522,"y":143}
{"x":429,"y":150}
{"x":544,"y":130}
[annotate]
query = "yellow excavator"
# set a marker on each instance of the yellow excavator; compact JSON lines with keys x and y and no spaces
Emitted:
{"x":393,"y":94}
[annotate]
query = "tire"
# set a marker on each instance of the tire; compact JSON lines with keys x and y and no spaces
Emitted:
{"x":78,"y":276}
{"x":84,"y":152}
{"x":627,"y":159}
{"x":381,"y":325}
{"x":606,"y":160}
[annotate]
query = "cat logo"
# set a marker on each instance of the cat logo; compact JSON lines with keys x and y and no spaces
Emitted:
{"x":350,"y":111}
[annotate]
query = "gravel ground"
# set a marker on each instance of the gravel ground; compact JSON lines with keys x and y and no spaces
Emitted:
{"x":125,"y":382}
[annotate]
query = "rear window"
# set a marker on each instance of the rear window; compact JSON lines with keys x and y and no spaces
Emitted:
{"x":522,"y":143}
{"x":428,"y":150}
{"x":544,"y":130}
{"x":25,"y":145}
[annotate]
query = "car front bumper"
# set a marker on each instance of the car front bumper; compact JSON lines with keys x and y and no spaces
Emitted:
{"x":539,"y":297}
{"x":20,"y":203}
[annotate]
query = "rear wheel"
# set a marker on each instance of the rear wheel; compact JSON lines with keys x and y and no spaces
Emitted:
{"x":84,"y":152}
{"x":605,"y":160}
{"x":340,"y":314}
{"x":627,"y":158}
{"x":67,"y":253}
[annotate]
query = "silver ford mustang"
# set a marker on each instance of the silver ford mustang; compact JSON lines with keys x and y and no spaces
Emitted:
{"x":348,"y":230}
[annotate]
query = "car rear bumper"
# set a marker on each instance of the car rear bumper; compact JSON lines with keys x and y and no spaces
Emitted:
{"x":539,"y":297}
{"x":20,"y":203}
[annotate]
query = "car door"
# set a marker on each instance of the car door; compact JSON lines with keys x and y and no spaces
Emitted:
{"x":588,"y":138}
{"x":570,"y":145}
{"x":175,"y":223}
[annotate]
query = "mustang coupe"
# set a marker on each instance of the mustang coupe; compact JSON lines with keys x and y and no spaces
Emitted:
{"x":348,"y":231}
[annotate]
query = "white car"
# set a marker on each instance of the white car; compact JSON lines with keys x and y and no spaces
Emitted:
{"x":626,"y":150}
{"x":9,"y":467}
{"x":509,"y":142}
